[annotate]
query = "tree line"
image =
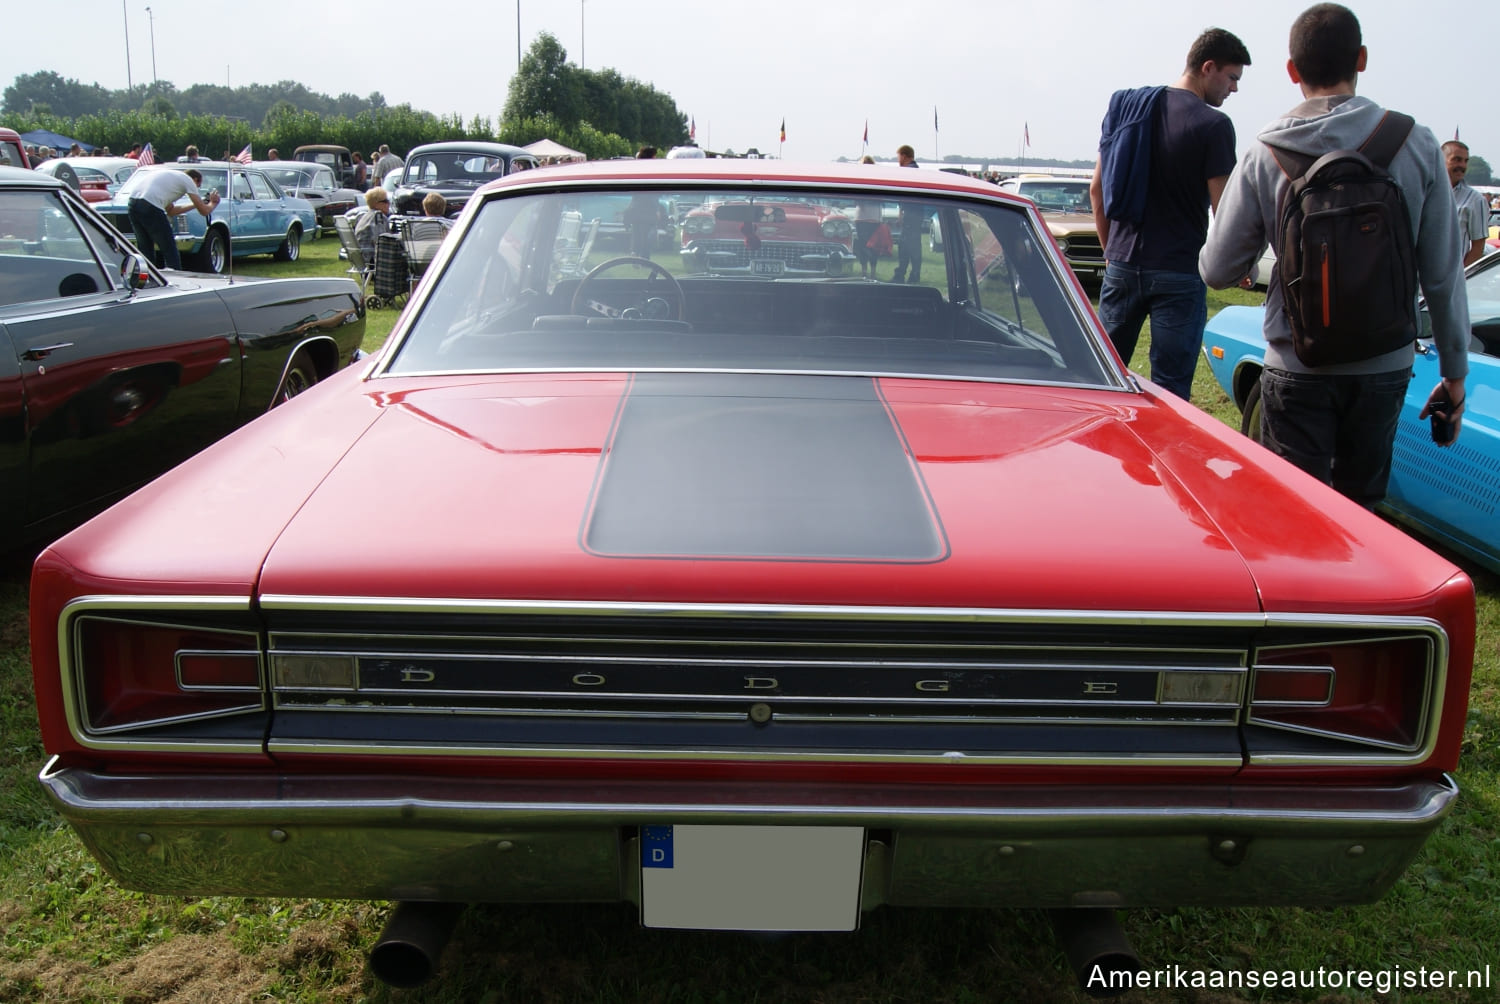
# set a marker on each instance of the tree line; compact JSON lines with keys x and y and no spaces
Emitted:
{"x":600,"y":113}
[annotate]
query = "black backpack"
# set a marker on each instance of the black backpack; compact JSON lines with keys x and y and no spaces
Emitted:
{"x":1345,"y":257}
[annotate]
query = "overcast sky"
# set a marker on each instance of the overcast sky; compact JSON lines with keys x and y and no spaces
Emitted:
{"x":993,"y":70}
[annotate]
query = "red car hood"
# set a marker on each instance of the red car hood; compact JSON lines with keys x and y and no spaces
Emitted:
{"x":822,"y":490}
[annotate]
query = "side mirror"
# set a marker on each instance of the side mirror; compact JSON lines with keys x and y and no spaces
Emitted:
{"x":135,"y":272}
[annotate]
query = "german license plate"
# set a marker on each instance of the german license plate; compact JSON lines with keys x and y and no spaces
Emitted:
{"x":766,"y":266}
{"x":751,"y":878}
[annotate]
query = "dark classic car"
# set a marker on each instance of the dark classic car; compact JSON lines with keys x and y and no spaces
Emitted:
{"x":755,"y":598}
{"x":112,"y":372}
{"x":454,"y":170}
{"x":254,"y":216}
{"x":335,"y":158}
{"x":317,"y":184}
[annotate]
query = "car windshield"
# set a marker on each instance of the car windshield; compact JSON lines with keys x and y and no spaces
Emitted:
{"x":291,"y":177}
{"x":1058,"y":196}
{"x":462,"y":169}
{"x":754,"y":279}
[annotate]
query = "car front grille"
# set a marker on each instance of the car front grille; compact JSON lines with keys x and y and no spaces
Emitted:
{"x":807,"y":255}
{"x":1085,"y":247}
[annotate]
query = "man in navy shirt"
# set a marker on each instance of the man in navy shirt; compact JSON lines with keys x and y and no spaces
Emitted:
{"x":1180,"y":148}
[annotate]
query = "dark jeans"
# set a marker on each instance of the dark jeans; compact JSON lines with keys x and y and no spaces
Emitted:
{"x":1339,"y":429}
{"x":153,"y":234}
{"x":863,"y":231}
{"x":909,"y":253}
{"x":1176,"y":302}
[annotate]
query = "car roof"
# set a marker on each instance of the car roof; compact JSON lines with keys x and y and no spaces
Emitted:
{"x":17,"y":177}
{"x":473,"y":146}
{"x":101,"y":163}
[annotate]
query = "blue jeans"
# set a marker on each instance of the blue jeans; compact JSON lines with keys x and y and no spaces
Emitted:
{"x":1177,"y":303}
{"x":1339,"y":429}
{"x":153,"y":234}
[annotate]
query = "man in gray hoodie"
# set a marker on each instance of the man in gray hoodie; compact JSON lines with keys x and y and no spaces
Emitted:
{"x":1338,"y":422}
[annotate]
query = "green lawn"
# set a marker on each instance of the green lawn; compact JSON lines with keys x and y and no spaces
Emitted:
{"x":70,"y":934}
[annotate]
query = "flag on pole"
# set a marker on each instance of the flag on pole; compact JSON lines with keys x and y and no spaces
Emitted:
{"x":783,"y":130}
{"x":934,"y":118}
{"x":147,"y":158}
{"x":1455,"y":134}
{"x":692,"y":128}
{"x":1026,"y":131}
{"x":244,"y":156}
{"x":867,"y":132}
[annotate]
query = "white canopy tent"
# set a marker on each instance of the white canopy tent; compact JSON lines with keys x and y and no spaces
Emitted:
{"x":552,"y":152}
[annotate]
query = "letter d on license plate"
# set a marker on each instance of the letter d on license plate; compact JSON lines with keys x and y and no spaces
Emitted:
{"x":751,"y":878}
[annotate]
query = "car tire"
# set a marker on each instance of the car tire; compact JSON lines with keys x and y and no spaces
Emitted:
{"x":291,"y":248}
{"x":301,"y":374}
{"x":213,"y":256}
{"x":1250,"y":412}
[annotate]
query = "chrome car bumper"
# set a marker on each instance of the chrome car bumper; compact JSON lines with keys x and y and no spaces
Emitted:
{"x":492,"y":840}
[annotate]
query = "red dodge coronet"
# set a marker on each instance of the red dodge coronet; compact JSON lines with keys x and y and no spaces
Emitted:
{"x":758,"y":599}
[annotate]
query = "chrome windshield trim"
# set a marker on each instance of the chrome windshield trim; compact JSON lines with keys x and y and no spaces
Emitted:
{"x":385,"y":374}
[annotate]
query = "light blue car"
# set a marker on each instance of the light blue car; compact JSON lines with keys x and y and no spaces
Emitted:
{"x":254,"y":216}
{"x":1449,"y":494}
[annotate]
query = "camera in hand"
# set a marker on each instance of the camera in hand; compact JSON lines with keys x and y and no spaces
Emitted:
{"x":1443,"y":427}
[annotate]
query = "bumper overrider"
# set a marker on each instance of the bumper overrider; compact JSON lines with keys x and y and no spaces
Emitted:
{"x":497,"y":840}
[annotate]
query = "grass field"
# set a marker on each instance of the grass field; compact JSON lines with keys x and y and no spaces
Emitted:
{"x":70,"y":934}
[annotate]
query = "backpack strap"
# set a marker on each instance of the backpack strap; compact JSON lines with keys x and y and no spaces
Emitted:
{"x":1379,"y":148}
{"x":1382,"y":145}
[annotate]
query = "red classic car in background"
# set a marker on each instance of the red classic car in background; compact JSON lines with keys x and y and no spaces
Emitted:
{"x":757,"y":598}
{"x":768,"y":236}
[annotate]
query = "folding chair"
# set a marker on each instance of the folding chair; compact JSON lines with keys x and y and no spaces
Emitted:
{"x":421,"y":236}
{"x":573,"y":261}
{"x":358,"y":267}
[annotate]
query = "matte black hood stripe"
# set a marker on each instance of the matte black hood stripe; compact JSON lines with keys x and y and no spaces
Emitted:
{"x":769,"y":467}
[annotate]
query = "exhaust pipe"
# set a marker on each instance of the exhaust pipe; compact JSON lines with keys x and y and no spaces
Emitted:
{"x":407,"y":952}
{"x":1100,"y":955}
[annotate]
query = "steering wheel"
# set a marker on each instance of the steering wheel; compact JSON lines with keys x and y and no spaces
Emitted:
{"x":646,"y":309}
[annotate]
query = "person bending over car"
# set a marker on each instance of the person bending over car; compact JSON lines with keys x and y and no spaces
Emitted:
{"x":153,"y":204}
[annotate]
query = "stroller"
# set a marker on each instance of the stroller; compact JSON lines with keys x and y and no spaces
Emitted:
{"x":392,"y":278}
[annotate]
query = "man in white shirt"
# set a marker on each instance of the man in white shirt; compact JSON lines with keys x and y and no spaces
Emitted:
{"x":154,"y":200}
{"x":1473,"y":216}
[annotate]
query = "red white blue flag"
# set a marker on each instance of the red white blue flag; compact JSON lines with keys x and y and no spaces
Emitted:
{"x":147,"y":158}
{"x":244,"y":156}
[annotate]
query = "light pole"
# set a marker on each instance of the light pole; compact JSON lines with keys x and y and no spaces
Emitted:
{"x":518,"y":36}
{"x":151,"y":20}
{"x":583,"y":49}
{"x":129,"y":83}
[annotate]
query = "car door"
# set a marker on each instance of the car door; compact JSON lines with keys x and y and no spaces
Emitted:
{"x":250,"y":225}
{"x":1452,"y":492}
{"x":114,"y":387}
{"x":275,"y":211}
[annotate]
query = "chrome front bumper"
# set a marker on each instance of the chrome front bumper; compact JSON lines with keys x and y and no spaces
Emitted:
{"x":486,"y":840}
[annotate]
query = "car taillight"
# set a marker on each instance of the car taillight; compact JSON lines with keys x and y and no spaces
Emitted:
{"x":1376,"y":692}
{"x":131,"y":673}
